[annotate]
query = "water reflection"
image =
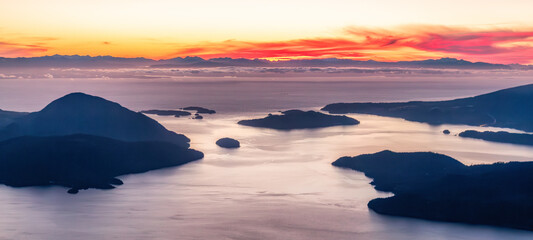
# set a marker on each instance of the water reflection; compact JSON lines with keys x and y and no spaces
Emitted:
{"x":278,"y":185}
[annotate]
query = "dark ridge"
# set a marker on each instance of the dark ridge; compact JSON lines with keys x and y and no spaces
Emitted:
{"x":501,"y":137}
{"x":437,"y":187}
{"x":69,"y":61}
{"x":228,"y":143}
{"x":175,"y":113}
{"x":510,"y":108}
{"x":297,"y":119}
{"x":197,"y":116}
{"x":7,"y":117}
{"x":83,"y":161}
{"x":200,"y":110}
{"x":391,"y":170}
{"x":79,"y":113}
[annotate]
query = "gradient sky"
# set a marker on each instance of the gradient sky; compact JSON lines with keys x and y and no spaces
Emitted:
{"x":387,"y":30}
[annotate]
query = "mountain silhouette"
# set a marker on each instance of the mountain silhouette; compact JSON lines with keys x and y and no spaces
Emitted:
{"x":500,"y":136}
{"x":69,"y":61}
{"x":510,"y":108}
{"x":437,"y":187}
{"x":79,"y":113}
{"x":7,"y":117}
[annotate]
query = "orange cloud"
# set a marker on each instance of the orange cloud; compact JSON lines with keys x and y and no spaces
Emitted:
{"x":406,"y":43}
{"x":14,"y":49}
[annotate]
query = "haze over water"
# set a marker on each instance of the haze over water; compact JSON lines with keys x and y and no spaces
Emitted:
{"x":246,"y":59}
{"x":278,"y":185}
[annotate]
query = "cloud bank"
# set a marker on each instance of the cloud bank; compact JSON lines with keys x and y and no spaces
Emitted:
{"x":403,"y":43}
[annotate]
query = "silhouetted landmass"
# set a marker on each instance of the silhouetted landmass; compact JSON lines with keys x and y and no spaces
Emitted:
{"x":175,"y":113}
{"x":437,"y":187}
{"x":511,"y":108}
{"x":83,"y":161}
{"x":178,"y":113}
{"x":297,"y":119}
{"x":77,"y":61}
{"x":82,"y":141}
{"x":430,"y":63}
{"x":85,"y":114}
{"x":443,"y":63}
{"x":197,"y":62}
{"x":228,"y":143}
{"x":501,"y":136}
{"x":7,"y":117}
{"x":446,"y":131}
{"x":200,"y":110}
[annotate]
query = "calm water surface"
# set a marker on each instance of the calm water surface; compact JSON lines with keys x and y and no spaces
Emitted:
{"x":278,"y":185}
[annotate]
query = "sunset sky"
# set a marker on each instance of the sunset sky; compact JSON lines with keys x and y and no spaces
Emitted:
{"x":386,"y":30}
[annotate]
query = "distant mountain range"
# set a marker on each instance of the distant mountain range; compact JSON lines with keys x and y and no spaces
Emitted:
{"x":62,"y":61}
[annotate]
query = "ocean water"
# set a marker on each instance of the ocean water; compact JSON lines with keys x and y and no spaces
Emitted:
{"x":278,"y":185}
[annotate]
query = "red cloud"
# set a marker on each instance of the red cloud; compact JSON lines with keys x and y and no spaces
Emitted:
{"x":9,"y":49}
{"x":300,"y":48}
{"x":482,"y":43}
{"x":407,"y":43}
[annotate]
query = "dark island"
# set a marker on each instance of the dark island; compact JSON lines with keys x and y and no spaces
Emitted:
{"x":511,"y":108}
{"x":437,"y":187}
{"x":297,"y":119}
{"x":200,"y":110}
{"x":446,"y":131}
{"x":83,"y":161}
{"x":81,"y":141}
{"x":85,"y":114}
{"x":228,"y":143}
{"x":501,"y":137}
{"x":175,"y":113}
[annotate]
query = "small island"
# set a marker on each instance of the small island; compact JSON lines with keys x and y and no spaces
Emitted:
{"x":228,"y":143}
{"x":501,"y":137}
{"x":437,"y":187}
{"x":180,"y":113}
{"x":200,"y":110}
{"x":446,"y":131}
{"x":175,"y":113}
{"x":197,"y":116}
{"x":510,"y":108}
{"x":298,"y":119}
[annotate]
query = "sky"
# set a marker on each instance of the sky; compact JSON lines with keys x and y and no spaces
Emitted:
{"x":385,"y":30}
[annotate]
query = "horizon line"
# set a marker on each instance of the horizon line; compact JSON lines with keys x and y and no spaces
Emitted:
{"x":262,"y":59}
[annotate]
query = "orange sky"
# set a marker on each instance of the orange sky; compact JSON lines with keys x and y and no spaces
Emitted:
{"x":385,"y":30}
